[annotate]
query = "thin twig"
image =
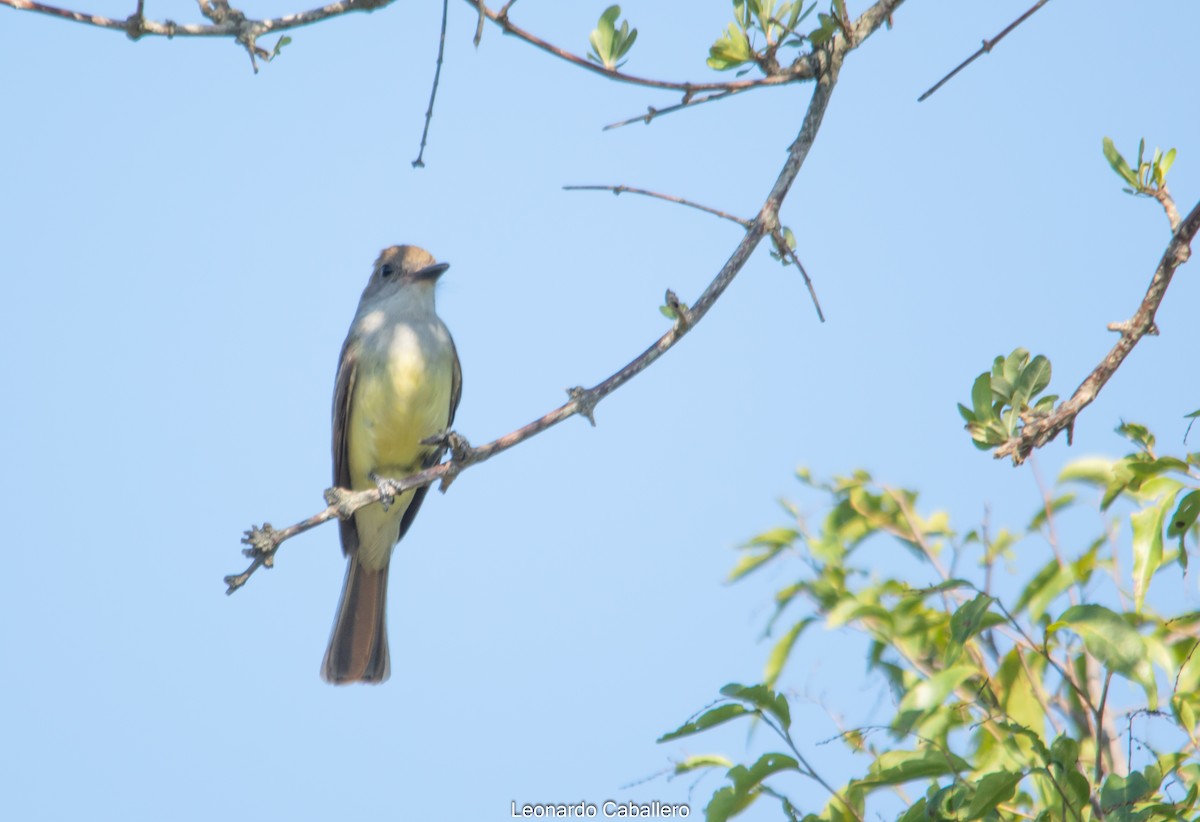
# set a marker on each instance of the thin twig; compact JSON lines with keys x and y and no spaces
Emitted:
{"x":621,"y":189}
{"x":776,"y":235}
{"x":688,"y":102}
{"x":1042,"y":430}
{"x":786,"y":250}
{"x":1099,"y":771}
{"x":265,"y":541}
{"x":984,"y":49}
{"x":437,"y":76}
{"x":810,"y":771}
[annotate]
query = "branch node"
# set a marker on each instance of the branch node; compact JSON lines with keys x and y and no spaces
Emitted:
{"x":262,"y":541}
{"x":135,"y":24}
{"x":683,"y":318}
{"x":337,"y":498}
{"x":585,"y":403}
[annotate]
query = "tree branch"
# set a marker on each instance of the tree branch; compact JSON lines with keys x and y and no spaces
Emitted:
{"x":437,"y":76}
{"x":986,"y":48}
{"x":1038,"y":432}
{"x":801,"y":70}
{"x":670,"y":198}
{"x":226,"y":21}
{"x":264,"y":541}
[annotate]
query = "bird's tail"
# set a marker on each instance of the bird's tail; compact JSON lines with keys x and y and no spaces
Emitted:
{"x":358,"y":648}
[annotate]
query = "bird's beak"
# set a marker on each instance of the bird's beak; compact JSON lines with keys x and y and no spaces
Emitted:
{"x":429,"y":272}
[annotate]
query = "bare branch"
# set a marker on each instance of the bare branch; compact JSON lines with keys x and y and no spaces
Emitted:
{"x":437,"y":76}
{"x":688,"y":102}
{"x":785,"y":250}
{"x":621,"y":189}
{"x":265,"y":541}
{"x":1042,"y":430}
{"x":984,"y":49}
{"x":226,"y":21}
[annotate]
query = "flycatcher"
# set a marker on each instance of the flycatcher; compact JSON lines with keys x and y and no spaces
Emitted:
{"x":398,"y":383}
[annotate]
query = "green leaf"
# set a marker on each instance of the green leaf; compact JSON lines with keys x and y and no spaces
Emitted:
{"x":1044,"y":588}
{"x":1065,"y":752}
{"x":603,"y":35}
{"x":1014,"y":363}
{"x":1030,"y":381}
{"x":898,"y":767}
{"x":981,"y":396}
{"x":725,"y":803}
{"x":731,"y":50}
{"x":929,"y":695}
{"x":710,"y":718}
{"x":1118,"y":163}
{"x":609,"y":44}
{"x":745,"y":780}
{"x":1147,"y":547}
{"x":1114,"y":642}
{"x":1046,"y":510}
{"x":1164,"y":166}
{"x":946,"y":585}
{"x":917,"y":812}
{"x":782,"y":650}
{"x":828,"y":27}
{"x":1137,"y":434}
{"x":626,"y":39}
{"x":1095,"y":471}
{"x":776,"y":537}
{"x":1119,"y":791}
{"x":1045,"y":405}
{"x":1157,"y":466}
{"x":695,"y":763}
{"x":1185,"y":515}
{"x":994,"y":788}
{"x":763,"y":698}
{"x":966,"y":623}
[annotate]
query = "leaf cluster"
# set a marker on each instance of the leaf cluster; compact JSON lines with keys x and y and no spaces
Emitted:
{"x":762,"y":28}
{"x":610,"y":44}
{"x":1151,"y":175}
{"x":1004,"y":705}
{"x":1003,"y":398}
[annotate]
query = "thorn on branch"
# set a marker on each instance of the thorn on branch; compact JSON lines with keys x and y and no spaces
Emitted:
{"x":585,"y":403}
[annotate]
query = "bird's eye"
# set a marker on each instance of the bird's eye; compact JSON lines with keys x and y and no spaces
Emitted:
{"x":386,"y":270}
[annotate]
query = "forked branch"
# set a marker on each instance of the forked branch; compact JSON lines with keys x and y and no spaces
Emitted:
{"x":264,"y":541}
{"x":1039,"y":431}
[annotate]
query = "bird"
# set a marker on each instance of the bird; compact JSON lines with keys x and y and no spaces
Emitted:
{"x":397,"y":388}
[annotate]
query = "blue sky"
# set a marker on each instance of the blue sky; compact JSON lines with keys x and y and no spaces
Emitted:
{"x":184,"y":243}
